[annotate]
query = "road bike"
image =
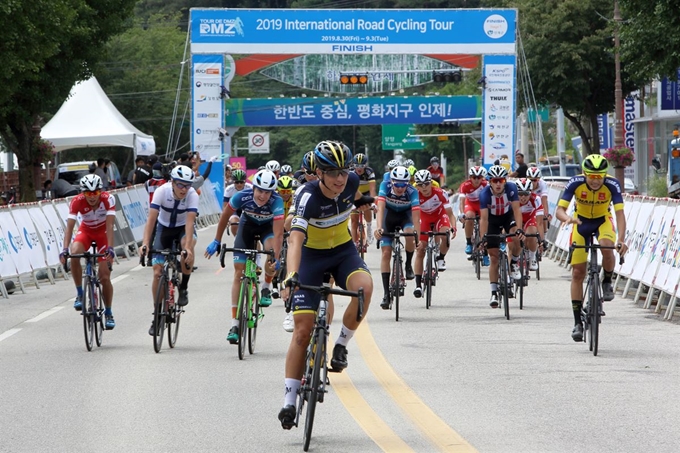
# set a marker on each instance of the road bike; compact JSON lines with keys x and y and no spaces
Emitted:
{"x":477,"y":255}
{"x":362,"y":243}
{"x":431,"y":270}
{"x":167,"y":313}
{"x":397,"y":280}
{"x":248,"y":312}
{"x":520,"y":284}
{"x":93,"y":301}
{"x":505,"y":283}
{"x":282,"y":272}
{"x":315,"y":376}
{"x":591,"y":314}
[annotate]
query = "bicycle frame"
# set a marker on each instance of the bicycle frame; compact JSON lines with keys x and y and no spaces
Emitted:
{"x":397,"y":281}
{"x":504,"y":280}
{"x":431,"y":271}
{"x":93,"y":302}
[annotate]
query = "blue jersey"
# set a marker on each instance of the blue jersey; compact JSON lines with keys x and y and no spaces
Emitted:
{"x":386,"y":176}
{"x":272,"y":209}
{"x":498,"y":205}
{"x":398,"y":203}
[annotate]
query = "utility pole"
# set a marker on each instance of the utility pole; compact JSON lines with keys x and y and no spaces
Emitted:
{"x":618,"y":92}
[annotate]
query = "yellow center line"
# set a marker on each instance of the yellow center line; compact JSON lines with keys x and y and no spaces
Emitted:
{"x":439,"y":433}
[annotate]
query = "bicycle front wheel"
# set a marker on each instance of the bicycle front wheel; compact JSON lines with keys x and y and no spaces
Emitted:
{"x":523,"y":278}
{"x":397,"y":285}
{"x":318,"y":346}
{"x":362,"y":237}
{"x":253,"y":320}
{"x":88,"y":313}
{"x":429,"y":276}
{"x":99,"y":316}
{"x":242,"y":316}
{"x":159,"y":313}
{"x":594,"y":316}
{"x":174,"y":316}
{"x":505,"y":284}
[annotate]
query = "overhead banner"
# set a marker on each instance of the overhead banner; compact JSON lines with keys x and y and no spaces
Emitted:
{"x":498,"y":122}
{"x":208,"y":109}
{"x":377,"y":31}
{"x":352,"y":111}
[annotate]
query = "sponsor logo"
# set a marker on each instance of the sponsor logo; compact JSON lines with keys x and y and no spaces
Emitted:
{"x":211,"y":71}
{"x":207,"y":115}
{"x":584,"y":194}
{"x":200,"y":84}
{"x":222,"y":27}
{"x":499,"y":90}
{"x":495,"y":26}
{"x":499,"y":98}
{"x":499,"y":146}
{"x":601,"y":196}
{"x":204,"y":98}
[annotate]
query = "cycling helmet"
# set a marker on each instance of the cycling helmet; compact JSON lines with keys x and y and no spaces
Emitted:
{"x":265,"y":180}
{"x":286,"y":169}
{"x":477,"y":171}
{"x":360,"y":159}
{"x":90,"y":183}
{"x":308,"y":162}
{"x":182,"y":173}
{"x":239,"y":175}
{"x":497,"y":171}
{"x":400,"y":174}
{"x":392,"y":164}
{"x":534,"y":173}
{"x":434,"y":160}
{"x":331,"y":155}
{"x":273,"y":165}
{"x":285,"y":183}
{"x":412,"y":170}
{"x":409,"y":163}
{"x":523,"y":185}
{"x":296,"y":184}
{"x":261,"y":167}
{"x":595,"y":163}
{"x":423,"y":176}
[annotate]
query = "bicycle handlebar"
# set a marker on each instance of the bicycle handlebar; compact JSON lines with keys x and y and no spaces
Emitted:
{"x":226,"y":249}
{"x":325,"y":290}
{"x":164,"y":252}
{"x":398,"y":234}
{"x":575,"y":246}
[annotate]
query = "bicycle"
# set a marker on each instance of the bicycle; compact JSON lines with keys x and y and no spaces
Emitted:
{"x":248,"y":312}
{"x":315,"y":376}
{"x":166,"y":310}
{"x":524,"y":271}
{"x":282,"y":272}
{"x":93,"y":302}
{"x":591,"y":314}
{"x":431,"y":271}
{"x":361,"y":232}
{"x":397,"y":281}
{"x":477,"y":256}
{"x":504,"y":281}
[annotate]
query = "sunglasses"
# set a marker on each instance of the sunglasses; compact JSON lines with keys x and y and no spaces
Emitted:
{"x":359,"y":166}
{"x":497,"y":180}
{"x":594,"y":176}
{"x":181,"y":185}
{"x":421,"y":184}
{"x":475,"y":177}
{"x":524,"y":194}
{"x":239,"y":182}
{"x":535,"y":179}
{"x":285,"y":191}
{"x":336,"y":173}
{"x":400,"y":185}
{"x":92,"y":193}
{"x":310,"y":173}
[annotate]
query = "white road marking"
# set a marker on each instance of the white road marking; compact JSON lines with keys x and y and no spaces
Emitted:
{"x":119,"y":278}
{"x":9,"y":333}
{"x":45,"y":314}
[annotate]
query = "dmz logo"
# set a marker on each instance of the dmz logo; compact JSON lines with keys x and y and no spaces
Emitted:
{"x":495,"y":26}
{"x":225,"y":27}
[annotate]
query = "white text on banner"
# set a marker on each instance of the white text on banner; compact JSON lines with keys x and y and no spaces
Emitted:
{"x":47,"y":235}
{"x":7,"y":266}
{"x":17,"y":245}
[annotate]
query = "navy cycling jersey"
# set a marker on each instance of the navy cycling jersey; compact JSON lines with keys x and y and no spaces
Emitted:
{"x":272,"y":210}
{"x":399,"y":203}
{"x":501,"y":204}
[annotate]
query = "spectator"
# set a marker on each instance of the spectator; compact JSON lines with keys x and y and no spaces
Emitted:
{"x":47,"y":190}
{"x":61,"y":189}
{"x":100,"y":170}
{"x":142,"y":172}
{"x":520,"y":167}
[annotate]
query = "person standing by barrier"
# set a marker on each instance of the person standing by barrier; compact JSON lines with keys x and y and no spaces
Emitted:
{"x":98,"y":212}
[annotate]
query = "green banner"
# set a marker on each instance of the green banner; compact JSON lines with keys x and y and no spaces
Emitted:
{"x":396,"y":136}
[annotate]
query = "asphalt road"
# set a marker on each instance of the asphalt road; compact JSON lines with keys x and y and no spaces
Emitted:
{"x":457,"y":377}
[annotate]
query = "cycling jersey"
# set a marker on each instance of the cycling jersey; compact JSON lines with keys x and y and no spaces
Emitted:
{"x":364,"y":179}
{"x":434,"y":205}
{"x":499,"y":205}
{"x":171,"y":211}
{"x":541,"y":188}
{"x":324,"y":220}
{"x":470,"y":192}
{"x":409,"y":200}
{"x":231,"y":190}
{"x":287,"y":204}
{"x":92,"y":218}
{"x":592,"y":204}
{"x":532,"y":208}
{"x":153,"y":184}
{"x":300,"y":176}
{"x":271,"y":210}
{"x":436,"y":174}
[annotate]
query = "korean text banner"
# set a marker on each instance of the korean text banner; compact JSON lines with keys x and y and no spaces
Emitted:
{"x":295,"y":31}
{"x":350,"y":112}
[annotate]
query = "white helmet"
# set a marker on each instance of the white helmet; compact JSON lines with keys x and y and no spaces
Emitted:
{"x":408,"y":163}
{"x":400,"y":174}
{"x":422,"y":176}
{"x":478,"y":171}
{"x":183,"y":173}
{"x":273,"y":165}
{"x":523,"y":185}
{"x":392,"y":164}
{"x":90,"y":183}
{"x":265,"y":180}
{"x":498,"y":171}
{"x":534,"y":173}
{"x":286,"y":169}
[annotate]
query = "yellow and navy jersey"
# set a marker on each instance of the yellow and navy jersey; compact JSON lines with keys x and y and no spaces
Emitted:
{"x":286,"y":203}
{"x":364,"y":179}
{"x":324,"y":220}
{"x":592,"y":204}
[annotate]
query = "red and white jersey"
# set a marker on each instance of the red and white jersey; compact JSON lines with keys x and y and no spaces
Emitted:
{"x":541,"y":188}
{"x":470,"y":192}
{"x":92,"y":218}
{"x":531,"y":208}
{"x":434,"y":205}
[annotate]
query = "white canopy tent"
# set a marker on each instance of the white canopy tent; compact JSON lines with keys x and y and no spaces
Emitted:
{"x":88,"y":118}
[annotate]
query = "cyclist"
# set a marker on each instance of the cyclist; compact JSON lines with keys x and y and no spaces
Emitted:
{"x":469,"y":204}
{"x":532,"y":219}
{"x":172,"y":214}
{"x":262,"y":215}
{"x":398,"y":205}
{"x":499,"y":211}
{"x":366,"y":187}
{"x":437,"y":171}
{"x":238,"y":185}
{"x":157,"y":179}
{"x":274,"y":167}
{"x":540,"y":188}
{"x":391,"y":165}
{"x":434,"y":208}
{"x":593,"y":192}
{"x":98,"y":213}
{"x":320,"y":242}
{"x":286,"y":170}
{"x":284,"y":187}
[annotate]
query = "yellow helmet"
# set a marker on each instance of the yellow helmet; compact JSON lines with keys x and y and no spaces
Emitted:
{"x":595,"y":164}
{"x":285,"y":183}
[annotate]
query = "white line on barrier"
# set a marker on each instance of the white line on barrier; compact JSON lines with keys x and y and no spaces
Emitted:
{"x":45,"y":314}
{"x":9,"y":333}
{"x":119,"y":278}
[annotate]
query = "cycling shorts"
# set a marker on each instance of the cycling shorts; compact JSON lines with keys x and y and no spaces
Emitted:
{"x":85,"y":236}
{"x":164,"y":239}
{"x":497,"y":225}
{"x":395,"y":219}
{"x":603,"y":227}
{"x":341,"y":262}
{"x":440,"y":221}
{"x":245,"y":237}
{"x":472,"y":206}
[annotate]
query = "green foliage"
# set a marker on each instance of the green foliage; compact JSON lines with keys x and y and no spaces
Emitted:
{"x":657,"y":186}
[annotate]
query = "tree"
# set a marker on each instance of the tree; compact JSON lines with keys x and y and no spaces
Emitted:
{"x":47,"y":46}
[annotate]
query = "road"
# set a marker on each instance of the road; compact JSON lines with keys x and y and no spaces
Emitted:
{"x":457,"y":377}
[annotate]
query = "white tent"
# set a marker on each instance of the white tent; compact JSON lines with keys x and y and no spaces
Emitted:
{"x":88,"y":118}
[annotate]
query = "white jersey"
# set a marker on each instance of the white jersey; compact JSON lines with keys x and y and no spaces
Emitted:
{"x":171,"y":211}
{"x":541,"y":189}
{"x":231,"y":190}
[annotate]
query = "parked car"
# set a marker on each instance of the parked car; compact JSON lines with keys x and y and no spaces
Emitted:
{"x":629,"y":185}
{"x":554,"y":170}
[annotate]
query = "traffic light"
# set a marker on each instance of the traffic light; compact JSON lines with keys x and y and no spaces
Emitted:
{"x":354,"y":79}
{"x":447,"y":76}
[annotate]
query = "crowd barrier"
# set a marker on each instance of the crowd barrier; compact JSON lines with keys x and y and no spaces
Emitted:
{"x":32,"y":234}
